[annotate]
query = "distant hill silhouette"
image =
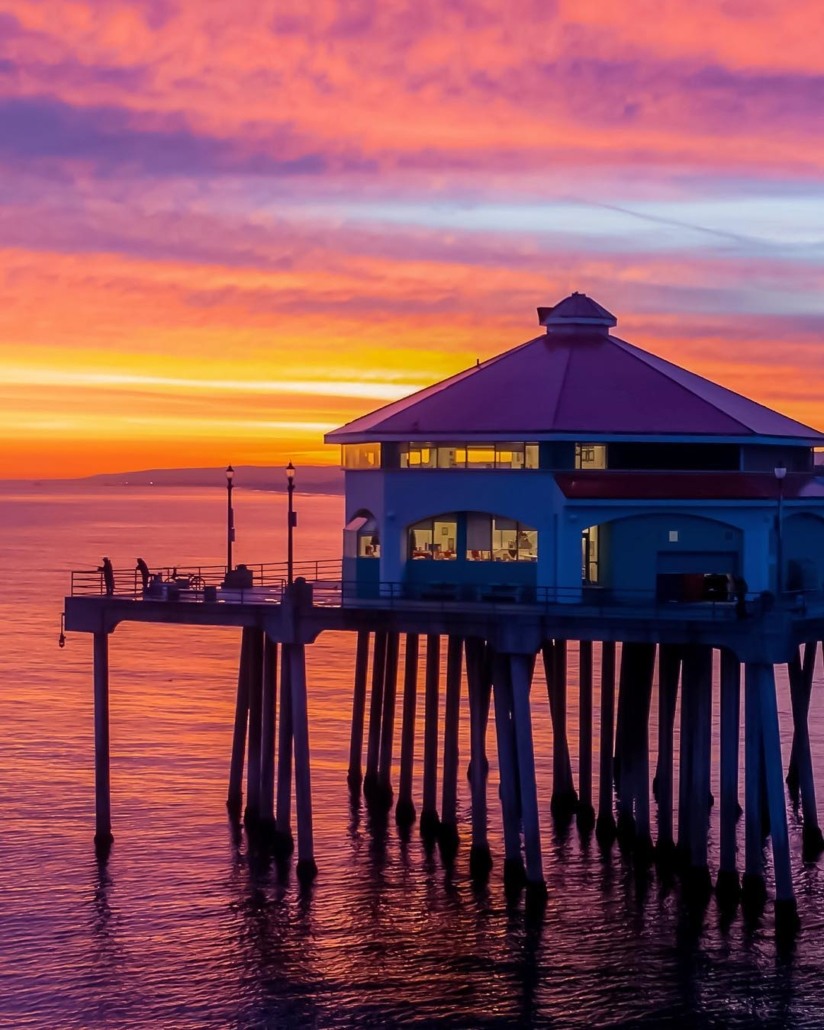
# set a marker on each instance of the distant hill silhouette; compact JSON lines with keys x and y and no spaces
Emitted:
{"x":313,"y":479}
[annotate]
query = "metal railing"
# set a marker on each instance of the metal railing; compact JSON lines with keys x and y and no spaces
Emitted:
{"x":266,"y":582}
{"x":190,"y":582}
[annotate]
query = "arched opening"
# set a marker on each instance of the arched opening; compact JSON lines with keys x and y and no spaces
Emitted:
{"x":669,"y":556}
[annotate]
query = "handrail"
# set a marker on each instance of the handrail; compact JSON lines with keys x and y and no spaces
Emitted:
{"x":267,"y":583}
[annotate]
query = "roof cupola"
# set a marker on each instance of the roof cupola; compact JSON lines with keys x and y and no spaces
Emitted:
{"x":577,"y":313}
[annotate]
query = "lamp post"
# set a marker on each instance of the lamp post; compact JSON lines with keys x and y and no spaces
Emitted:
{"x":230,"y":518}
{"x":780,"y":473}
{"x":291,"y":523}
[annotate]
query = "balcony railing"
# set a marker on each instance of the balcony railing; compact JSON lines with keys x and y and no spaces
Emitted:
{"x":266,"y":583}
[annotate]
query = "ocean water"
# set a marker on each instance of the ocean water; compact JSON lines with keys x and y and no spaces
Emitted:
{"x":182,"y":927}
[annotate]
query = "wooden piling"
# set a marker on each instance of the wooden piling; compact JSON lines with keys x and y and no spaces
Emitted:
{"x":251,"y":813}
{"x":355,"y":776}
{"x":605,"y":824}
{"x":306,"y":867}
{"x":728,"y":885}
{"x":405,"y":807}
{"x":234,"y":799}
{"x":429,"y":811}
{"x":102,"y":787}
{"x":448,"y":832}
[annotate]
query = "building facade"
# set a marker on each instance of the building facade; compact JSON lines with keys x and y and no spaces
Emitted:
{"x":577,"y":466}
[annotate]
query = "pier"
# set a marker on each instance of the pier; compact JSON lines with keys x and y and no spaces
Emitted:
{"x":574,"y":498}
{"x":491,"y":650}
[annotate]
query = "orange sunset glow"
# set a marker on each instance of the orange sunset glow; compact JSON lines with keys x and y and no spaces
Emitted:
{"x":226,"y":229}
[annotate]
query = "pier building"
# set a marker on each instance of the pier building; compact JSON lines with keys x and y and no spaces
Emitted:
{"x":577,"y":462}
{"x":573,"y":499}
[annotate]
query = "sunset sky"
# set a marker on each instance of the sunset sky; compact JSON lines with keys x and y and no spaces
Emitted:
{"x":226,"y":228}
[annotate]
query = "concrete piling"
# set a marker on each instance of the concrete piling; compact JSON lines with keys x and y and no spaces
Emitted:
{"x":102,"y":788}
{"x":479,"y":680}
{"x":405,"y":807}
{"x":429,"y":820}
{"x":605,"y":823}
{"x":383,"y":791}
{"x":355,"y":775}
{"x":234,"y":799}
{"x":448,"y":831}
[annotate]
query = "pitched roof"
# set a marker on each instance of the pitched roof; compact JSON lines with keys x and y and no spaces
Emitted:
{"x":576,"y":379}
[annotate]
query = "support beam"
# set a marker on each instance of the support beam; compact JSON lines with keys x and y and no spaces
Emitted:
{"x":514,"y":874}
{"x":383,"y":796}
{"x":521,"y":678}
{"x":669,"y":672}
{"x":355,"y":775}
{"x":585,"y":813}
{"x":478,"y":674}
{"x":306,"y":868}
{"x":405,"y":808}
{"x":267,"y":740}
{"x":808,"y":668}
{"x":283,"y":816}
{"x":786,"y":914}
{"x":697,"y":676}
{"x":429,"y":812}
{"x":728,"y":885}
{"x":753,"y":887}
{"x":605,"y":824}
{"x":800,"y":675}
{"x":251,"y":814}
{"x":102,"y":790}
{"x":234,"y":799}
{"x":448,"y":832}
{"x":373,"y":744}
{"x":564,"y":799}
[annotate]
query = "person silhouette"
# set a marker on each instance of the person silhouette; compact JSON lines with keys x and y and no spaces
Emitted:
{"x":108,"y":576}
{"x":143,"y":569}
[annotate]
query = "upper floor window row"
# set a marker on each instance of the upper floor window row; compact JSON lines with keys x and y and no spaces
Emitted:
{"x":508,"y":455}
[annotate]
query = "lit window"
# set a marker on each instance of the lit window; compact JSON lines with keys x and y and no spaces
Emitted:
{"x":513,"y":541}
{"x":434,"y":538}
{"x":673,"y":536}
{"x":361,"y":456}
{"x":589,"y":555}
{"x":590,"y":456}
{"x":360,"y":537}
{"x":480,"y":456}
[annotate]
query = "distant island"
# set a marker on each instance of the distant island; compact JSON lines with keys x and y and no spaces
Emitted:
{"x":312,"y":479}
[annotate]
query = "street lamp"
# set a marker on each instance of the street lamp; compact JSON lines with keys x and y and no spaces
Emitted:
{"x":780,"y":473}
{"x":291,"y":523}
{"x":230,"y":518}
